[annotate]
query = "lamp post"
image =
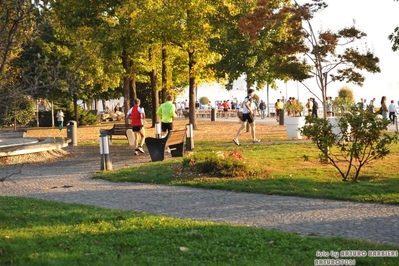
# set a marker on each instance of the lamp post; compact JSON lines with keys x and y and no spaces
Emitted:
{"x":297,"y":90}
{"x":286,"y":91}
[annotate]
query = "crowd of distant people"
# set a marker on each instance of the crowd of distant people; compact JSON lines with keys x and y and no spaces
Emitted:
{"x":387,"y":110}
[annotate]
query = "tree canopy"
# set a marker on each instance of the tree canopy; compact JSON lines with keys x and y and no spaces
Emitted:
{"x":89,"y":49}
{"x":325,"y":55}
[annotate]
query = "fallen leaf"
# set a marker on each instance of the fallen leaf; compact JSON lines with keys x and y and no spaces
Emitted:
{"x":183,"y":249}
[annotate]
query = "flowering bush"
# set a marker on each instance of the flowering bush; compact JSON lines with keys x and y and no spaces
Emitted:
{"x":219,"y":164}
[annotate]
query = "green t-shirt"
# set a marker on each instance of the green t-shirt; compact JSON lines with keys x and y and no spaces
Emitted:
{"x":166,"y":112}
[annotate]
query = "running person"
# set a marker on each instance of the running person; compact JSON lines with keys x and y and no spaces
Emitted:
{"x":167,"y":111}
{"x":247,"y":116}
{"x":137,"y":115}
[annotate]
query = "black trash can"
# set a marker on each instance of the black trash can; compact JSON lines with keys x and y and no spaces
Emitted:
{"x":72,"y":132}
{"x":213,"y":114}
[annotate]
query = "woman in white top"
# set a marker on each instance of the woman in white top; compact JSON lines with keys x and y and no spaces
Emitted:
{"x":60,"y":119}
{"x":248,"y":116}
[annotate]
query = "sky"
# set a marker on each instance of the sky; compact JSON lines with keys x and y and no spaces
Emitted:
{"x":377,"y":19}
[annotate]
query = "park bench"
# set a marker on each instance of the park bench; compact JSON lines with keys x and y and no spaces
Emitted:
{"x":12,"y":133}
{"x":174,"y":140}
{"x":118,"y":130}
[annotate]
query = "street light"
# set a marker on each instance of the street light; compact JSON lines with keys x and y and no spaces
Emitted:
{"x":297,"y":90}
{"x":286,"y":91}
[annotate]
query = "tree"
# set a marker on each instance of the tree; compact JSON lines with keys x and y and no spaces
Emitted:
{"x":190,"y":30}
{"x":333,"y":55}
{"x":394,"y":37}
{"x":262,"y":54}
{"x":115,"y":33}
{"x":343,"y":102}
{"x":17,"y":24}
{"x":346,"y":93}
{"x":17,"y":19}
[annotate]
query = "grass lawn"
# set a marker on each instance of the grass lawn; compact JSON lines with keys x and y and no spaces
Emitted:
{"x":35,"y":232}
{"x":286,"y":169}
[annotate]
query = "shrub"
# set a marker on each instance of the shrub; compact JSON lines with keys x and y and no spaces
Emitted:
{"x":230,"y":164}
{"x":293,"y":108}
{"x":204,"y":100}
{"x":86,"y":117}
{"x":361,"y":139}
{"x":343,"y":102}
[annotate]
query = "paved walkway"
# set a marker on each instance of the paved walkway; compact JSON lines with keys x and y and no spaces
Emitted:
{"x":69,"y":180}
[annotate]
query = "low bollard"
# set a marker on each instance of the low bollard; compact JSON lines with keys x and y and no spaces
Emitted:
{"x":213,"y":114}
{"x":281,"y":117}
{"x":189,"y":137}
{"x":396,"y":122}
{"x":106,"y":163}
{"x":158,"y":130}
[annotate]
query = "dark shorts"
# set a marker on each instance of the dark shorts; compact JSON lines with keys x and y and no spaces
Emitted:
{"x":225,"y":109}
{"x":137,"y":128}
{"x":247,"y":117}
{"x":166,"y":126}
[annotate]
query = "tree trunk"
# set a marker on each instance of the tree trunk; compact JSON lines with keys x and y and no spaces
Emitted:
{"x":133,"y":89}
{"x":155,"y":96}
{"x":126,"y":81}
{"x":191,"y":93}
{"x":154,"y":89}
{"x":132,"y":84}
{"x":75,"y":107}
{"x":164,"y":73}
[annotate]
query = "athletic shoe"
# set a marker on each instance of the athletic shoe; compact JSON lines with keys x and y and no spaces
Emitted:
{"x":256,"y":141}
{"x":136,"y":153}
{"x":140,"y":149}
{"x":236,"y":141}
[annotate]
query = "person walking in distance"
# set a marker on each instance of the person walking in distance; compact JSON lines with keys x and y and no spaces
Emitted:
{"x":384,"y":108}
{"x":60,"y":119}
{"x":262,"y":108}
{"x":315,"y":108}
{"x":309,"y":106}
{"x":392,"y":110}
{"x":279,"y":109}
{"x":247,"y":117}
{"x":137,"y":116}
{"x":225,"y":106}
{"x":167,"y":112}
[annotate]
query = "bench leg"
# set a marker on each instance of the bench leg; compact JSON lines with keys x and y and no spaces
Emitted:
{"x":177,"y":150}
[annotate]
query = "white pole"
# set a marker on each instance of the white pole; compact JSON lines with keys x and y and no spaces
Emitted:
{"x":52,"y":114}
{"x":106,"y":163}
{"x":158,"y":130}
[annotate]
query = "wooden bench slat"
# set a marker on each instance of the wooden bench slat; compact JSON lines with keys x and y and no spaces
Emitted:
{"x":117,"y":129}
{"x":176,"y":138}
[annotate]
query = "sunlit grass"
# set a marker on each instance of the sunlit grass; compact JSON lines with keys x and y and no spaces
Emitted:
{"x":35,"y":232}
{"x":292,"y":169}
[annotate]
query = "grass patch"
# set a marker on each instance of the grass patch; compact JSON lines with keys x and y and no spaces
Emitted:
{"x":292,"y":169}
{"x":36,"y":232}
